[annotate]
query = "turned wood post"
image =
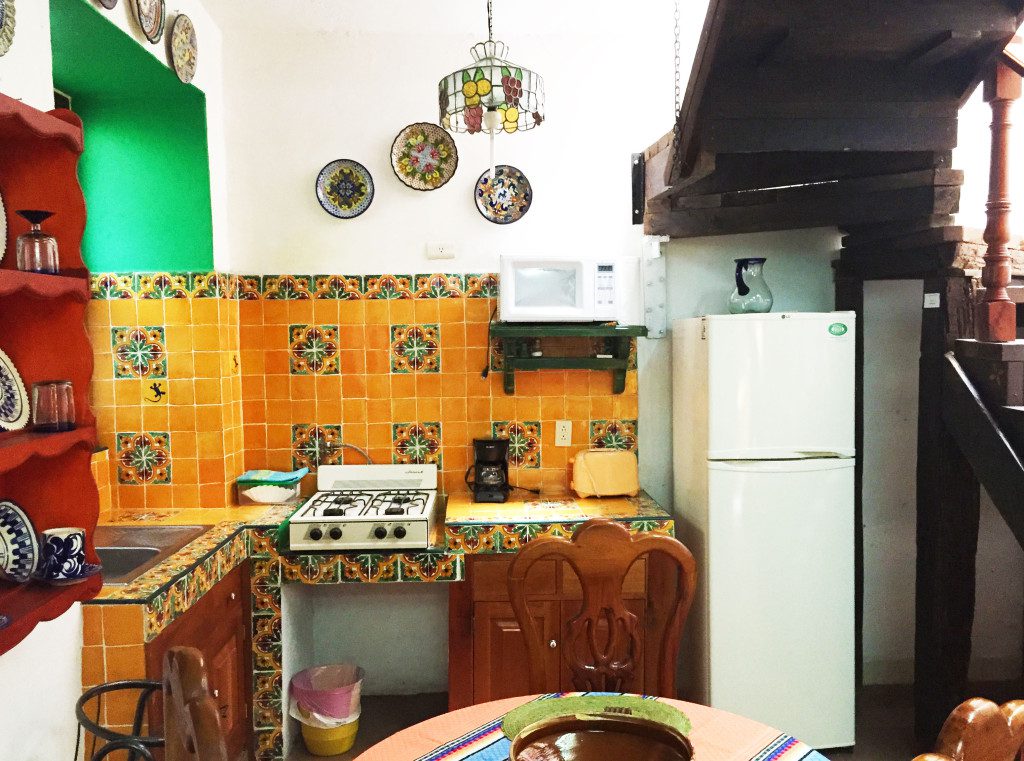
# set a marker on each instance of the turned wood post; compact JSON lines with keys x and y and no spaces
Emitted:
{"x":996,"y":314}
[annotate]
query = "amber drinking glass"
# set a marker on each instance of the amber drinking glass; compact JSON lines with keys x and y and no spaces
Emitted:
{"x":53,"y":406}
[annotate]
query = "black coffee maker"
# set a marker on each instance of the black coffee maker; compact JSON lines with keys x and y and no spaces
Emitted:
{"x":489,"y":470}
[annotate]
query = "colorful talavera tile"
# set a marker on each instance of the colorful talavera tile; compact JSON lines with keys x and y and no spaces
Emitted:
{"x":313,"y":349}
{"x":205,"y":285}
{"x":416,"y":443}
{"x":416,"y":348}
{"x":139,"y":352}
{"x":162,"y":285}
{"x":341,"y":287}
{"x":371,"y":567}
{"x":439,"y":286}
{"x":483,"y":286}
{"x":389,"y":287}
{"x":523,"y":441}
{"x":286,"y":287}
{"x":613,"y":434}
{"x":315,"y":445}
{"x":110,"y":286}
{"x":429,"y":566}
{"x":144,"y":458}
{"x":311,"y":569}
{"x":250,"y":287}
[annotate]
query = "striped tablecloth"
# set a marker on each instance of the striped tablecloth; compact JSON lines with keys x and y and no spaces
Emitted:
{"x":474,"y":734}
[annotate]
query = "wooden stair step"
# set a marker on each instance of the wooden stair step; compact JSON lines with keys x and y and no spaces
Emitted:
{"x":996,"y":369}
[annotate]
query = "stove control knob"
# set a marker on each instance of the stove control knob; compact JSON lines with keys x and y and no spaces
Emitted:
{"x":400,"y":532}
{"x":335,"y":533}
{"x":316,"y":534}
{"x":380,"y":532}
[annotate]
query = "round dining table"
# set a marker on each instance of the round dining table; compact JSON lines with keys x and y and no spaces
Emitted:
{"x":474,"y":734}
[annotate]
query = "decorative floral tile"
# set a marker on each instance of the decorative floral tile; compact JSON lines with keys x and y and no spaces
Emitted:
{"x":286,"y":287}
{"x":144,"y":458}
{"x":439,"y":286}
{"x":416,"y":443}
{"x":523,"y":441}
{"x":162,"y":285}
{"x":250,"y":287}
{"x":416,"y":348}
{"x":483,"y":286}
{"x":430,"y":566}
{"x":109,"y":286}
{"x":139,"y":352}
{"x":314,"y":349}
{"x":613,"y":434}
{"x":206,"y":285}
{"x":369,"y":567}
{"x":341,"y":287}
{"x":314,"y":445}
{"x":496,"y":354}
{"x":388,"y":287}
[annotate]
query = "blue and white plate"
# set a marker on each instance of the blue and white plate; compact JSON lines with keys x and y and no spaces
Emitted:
{"x":19,"y":547}
{"x":88,"y":571}
{"x":13,"y":397}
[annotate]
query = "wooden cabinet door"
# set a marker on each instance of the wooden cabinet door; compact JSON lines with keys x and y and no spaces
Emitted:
{"x":569,"y":610}
{"x":216,"y":625}
{"x":500,"y":665}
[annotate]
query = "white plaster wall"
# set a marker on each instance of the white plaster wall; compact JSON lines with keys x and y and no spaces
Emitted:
{"x":25,"y":69}
{"x":45,"y":671}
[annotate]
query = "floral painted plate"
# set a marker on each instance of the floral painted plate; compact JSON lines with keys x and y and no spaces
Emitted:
{"x":151,"y":15}
{"x":6,"y":25}
{"x":184,"y":48}
{"x":506,"y":197}
{"x":13,"y":398}
{"x":424,"y":156}
{"x":19,"y":547}
{"x":344,"y":188}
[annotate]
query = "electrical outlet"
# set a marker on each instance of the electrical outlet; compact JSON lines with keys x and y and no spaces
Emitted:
{"x":563,"y":433}
{"x":440,"y":251}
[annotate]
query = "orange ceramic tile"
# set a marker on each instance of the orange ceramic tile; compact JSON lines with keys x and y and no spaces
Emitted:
{"x":354,"y":386}
{"x":102,"y":393}
{"x":180,"y":365}
{"x":205,"y":311}
{"x":279,"y":436}
{"x":600,"y":383}
{"x":159,"y":497}
{"x":254,"y":411}
{"x":527,"y":408}
{"x":476,"y":334}
{"x":211,"y":495}
{"x":451,"y":311}
{"x":93,"y":667}
{"x":403,"y":311}
{"x":428,"y":385}
{"x":423,"y":311}
{"x":453,"y":409}
{"x":208,"y":391}
{"x":354,"y":410}
{"x":329,"y":409}
{"x":379,"y":435}
{"x":250,"y":312}
{"x":185,"y":443}
{"x":150,"y":311}
{"x":304,"y":409}
{"x":255,"y":436}
{"x":378,"y":387}
{"x":182,"y":392}
{"x":325,"y":312}
{"x":122,"y":624}
{"x":209,"y":418}
{"x":453,"y":360}
{"x":351,"y":312}
{"x":185,"y":496}
{"x":206,"y":337}
{"x":378,"y":409}
{"x":377,"y":336}
{"x":275,"y":313}
{"x":128,"y":419}
{"x":503,"y":408}
{"x":302,"y":387}
{"x":211,"y":471}
{"x":456,"y":433}
{"x":92,"y":625}
{"x":403,"y":410}
{"x":454,"y":334}
{"x":378,"y":361}
{"x":352,"y":362}
{"x":277,"y":387}
{"x":381,"y":455}
{"x":552,"y":407}
{"x":577,"y":407}
{"x":428,"y":408}
{"x":131,"y":497}
{"x":479,"y":310}
{"x":530,"y":383}
{"x":279,"y":412}
{"x":209,"y":444}
{"x":156,"y":418}
{"x":403,"y":386}
{"x":454,"y":384}
{"x":377,"y":313}
{"x":123,"y":312}
{"x":184,"y":470}
{"x":602,"y":407}
{"x":478,"y":409}
{"x":552,"y":383}
{"x":300,"y":312}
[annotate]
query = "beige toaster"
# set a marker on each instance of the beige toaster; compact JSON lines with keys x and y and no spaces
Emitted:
{"x":605,"y":473}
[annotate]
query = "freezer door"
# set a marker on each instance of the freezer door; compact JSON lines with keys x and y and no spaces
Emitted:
{"x":780,"y":385}
{"x":780,"y":596}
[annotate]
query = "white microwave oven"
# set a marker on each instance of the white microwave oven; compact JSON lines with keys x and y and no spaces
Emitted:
{"x":534,"y":288}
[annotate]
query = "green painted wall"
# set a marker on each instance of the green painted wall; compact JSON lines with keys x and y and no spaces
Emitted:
{"x":145,"y":171}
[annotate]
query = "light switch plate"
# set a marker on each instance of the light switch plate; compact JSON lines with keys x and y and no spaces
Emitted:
{"x":932,"y":300}
{"x":563,"y":433}
{"x":440,"y":251}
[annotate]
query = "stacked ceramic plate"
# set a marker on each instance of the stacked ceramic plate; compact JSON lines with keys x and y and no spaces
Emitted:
{"x":19,"y":548}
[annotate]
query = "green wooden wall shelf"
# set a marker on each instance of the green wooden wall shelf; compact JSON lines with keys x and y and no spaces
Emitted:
{"x":516,"y":337}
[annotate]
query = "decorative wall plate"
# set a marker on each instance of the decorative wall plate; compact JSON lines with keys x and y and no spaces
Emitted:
{"x":19,"y":547}
{"x":344,"y":188}
{"x":3,"y":224}
{"x":505,"y":198}
{"x":151,"y":15}
{"x":13,"y":398}
{"x":184,"y":50}
{"x":108,"y":4}
{"x":424,"y":156}
{"x":6,"y":25}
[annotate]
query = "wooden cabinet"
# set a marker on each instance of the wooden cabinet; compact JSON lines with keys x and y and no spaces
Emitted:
{"x":486,"y":650}
{"x":217,"y":625}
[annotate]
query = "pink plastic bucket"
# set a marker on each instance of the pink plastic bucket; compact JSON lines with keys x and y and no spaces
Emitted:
{"x":329,"y":690}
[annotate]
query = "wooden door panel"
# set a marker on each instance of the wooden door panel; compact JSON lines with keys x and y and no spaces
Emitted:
{"x":569,"y":610}
{"x":500,"y":664}
{"x":634,"y":586}
{"x":490,"y":579}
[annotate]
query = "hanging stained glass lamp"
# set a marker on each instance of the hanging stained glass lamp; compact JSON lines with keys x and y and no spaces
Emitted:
{"x":491,"y":95}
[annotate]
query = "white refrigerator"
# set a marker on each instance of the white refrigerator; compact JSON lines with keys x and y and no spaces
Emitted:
{"x":763,"y":449}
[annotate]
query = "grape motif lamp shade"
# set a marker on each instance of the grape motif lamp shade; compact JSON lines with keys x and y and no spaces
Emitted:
{"x":491,"y":95}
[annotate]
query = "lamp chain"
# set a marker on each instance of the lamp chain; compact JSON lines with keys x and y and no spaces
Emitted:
{"x":490,"y":13}
{"x":675,"y":30}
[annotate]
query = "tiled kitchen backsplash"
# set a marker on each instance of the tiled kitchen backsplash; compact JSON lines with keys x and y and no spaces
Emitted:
{"x":202,"y":375}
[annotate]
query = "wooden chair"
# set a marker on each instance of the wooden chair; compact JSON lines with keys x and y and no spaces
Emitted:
{"x":980,"y":730}
{"x":192,"y":730}
{"x":601,"y":553}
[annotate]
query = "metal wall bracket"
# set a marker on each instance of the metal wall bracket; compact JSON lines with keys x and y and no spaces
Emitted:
{"x":655,"y":286}
{"x":639,"y":189}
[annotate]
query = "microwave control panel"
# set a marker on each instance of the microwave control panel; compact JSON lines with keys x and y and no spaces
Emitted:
{"x":604,"y":292}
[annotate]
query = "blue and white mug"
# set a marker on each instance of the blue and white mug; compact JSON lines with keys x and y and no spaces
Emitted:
{"x":63,"y":553}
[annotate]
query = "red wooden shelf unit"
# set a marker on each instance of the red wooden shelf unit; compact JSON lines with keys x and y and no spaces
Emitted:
{"x":42,"y":330}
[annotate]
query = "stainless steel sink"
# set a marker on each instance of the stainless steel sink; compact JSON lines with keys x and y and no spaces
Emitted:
{"x":127,"y":552}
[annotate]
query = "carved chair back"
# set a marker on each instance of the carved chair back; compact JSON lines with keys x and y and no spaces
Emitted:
{"x":601,"y":644}
{"x":980,"y":730}
{"x":192,"y":730}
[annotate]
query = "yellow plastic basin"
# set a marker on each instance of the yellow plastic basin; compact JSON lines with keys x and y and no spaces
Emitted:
{"x":330,"y":742}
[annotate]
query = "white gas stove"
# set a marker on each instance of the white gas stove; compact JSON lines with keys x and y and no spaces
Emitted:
{"x":367,"y":507}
